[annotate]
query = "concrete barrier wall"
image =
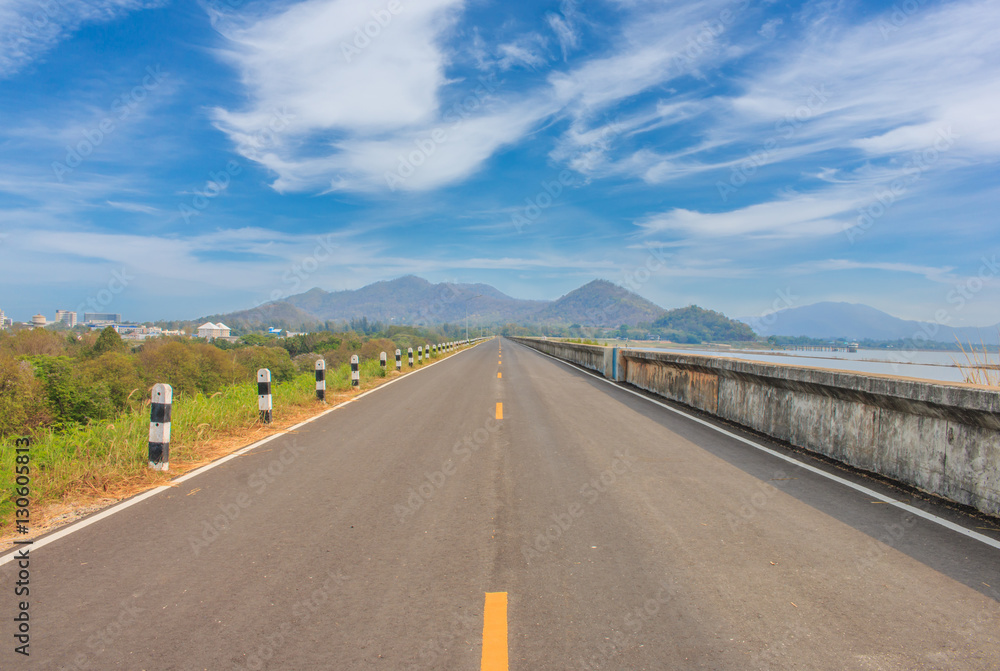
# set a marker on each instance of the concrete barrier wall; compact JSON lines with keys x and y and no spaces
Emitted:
{"x":942,"y":438}
{"x":589,"y":356}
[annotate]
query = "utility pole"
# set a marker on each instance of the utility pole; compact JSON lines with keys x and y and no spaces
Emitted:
{"x":466,"y":301}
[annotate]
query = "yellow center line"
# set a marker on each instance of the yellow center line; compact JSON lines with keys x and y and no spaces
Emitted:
{"x":495,"y":632}
{"x":499,"y":410}
{"x":498,"y":375}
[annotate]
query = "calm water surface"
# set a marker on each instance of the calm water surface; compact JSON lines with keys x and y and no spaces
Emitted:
{"x":941,"y":366}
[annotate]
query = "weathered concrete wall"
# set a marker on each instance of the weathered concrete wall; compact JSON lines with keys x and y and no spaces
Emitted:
{"x":589,"y":356}
{"x":943,"y":438}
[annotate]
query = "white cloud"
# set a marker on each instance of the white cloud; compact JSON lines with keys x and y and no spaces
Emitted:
{"x":134,"y":207}
{"x":294,"y":70}
{"x":941,"y":275}
{"x":528,"y":51}
{"x":770,"y":28}
{"x":316,"y":62}
{"x":32,"y":27}
{"x":793,"y":216}
{"x":564,"y":26}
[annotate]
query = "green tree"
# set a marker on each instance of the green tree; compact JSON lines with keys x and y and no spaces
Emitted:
{"x":109,"y":341}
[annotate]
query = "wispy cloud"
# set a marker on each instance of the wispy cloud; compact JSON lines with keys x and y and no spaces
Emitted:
{"x":795,"y":215}
{"x":32,"y":27}
{"x":293,"y":62}
{"x":564,"y":25}
{"x":134,"y":207}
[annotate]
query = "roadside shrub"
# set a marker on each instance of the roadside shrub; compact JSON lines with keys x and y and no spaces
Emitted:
{"x":275,"y":359}
{"x":23,"y":405}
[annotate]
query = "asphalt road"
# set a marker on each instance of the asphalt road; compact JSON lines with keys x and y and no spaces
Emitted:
{"x":623,"y":535}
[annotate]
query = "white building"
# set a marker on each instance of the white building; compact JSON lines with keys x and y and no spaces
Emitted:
{"x":66,"y":317}
{"x":39,"y":320}
{"x":211,"y":331}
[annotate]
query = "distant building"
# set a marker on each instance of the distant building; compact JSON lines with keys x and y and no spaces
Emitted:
{"x":3,"y":320}
{"x":66,"y":317}
{"x":99,"y":317}
{"x":39,"y":320}
{"x":136,"y":332}
{"x":274,"y":331}
{"x":211,"y":331}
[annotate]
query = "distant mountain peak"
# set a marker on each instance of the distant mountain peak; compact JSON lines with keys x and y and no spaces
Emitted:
{"x":856,"y":321}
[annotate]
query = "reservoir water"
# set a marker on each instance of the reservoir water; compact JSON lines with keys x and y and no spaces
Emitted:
{"x":940,"y":366}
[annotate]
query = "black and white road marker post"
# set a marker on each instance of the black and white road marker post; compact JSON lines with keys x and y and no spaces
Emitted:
{"x":159,"y":427}
{"x":355,"y":374}
{"x":409,"y":353}
{"x":264,"y":395}
{"x":381,"y":360}
{"x":420,"y":353}
{"x":321,"y":379}
{"x":399,"y":360}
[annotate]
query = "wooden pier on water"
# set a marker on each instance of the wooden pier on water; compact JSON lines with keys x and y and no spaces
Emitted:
{"x":851,"y":347}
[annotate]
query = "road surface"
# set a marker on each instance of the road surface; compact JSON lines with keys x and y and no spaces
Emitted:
{"x":500,"y":509}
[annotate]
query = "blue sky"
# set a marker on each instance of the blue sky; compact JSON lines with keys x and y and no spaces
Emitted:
{"x":175,"y":159}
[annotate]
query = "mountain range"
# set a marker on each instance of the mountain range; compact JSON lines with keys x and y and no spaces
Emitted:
{"x":414,"y":301}
{"x":855,"y":321}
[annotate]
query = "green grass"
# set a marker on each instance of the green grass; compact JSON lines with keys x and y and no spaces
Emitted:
{"x":104,"y":458}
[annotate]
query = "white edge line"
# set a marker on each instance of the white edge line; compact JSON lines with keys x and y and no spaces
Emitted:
{"x":118,"y":507}
{"x":847,"y":483}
